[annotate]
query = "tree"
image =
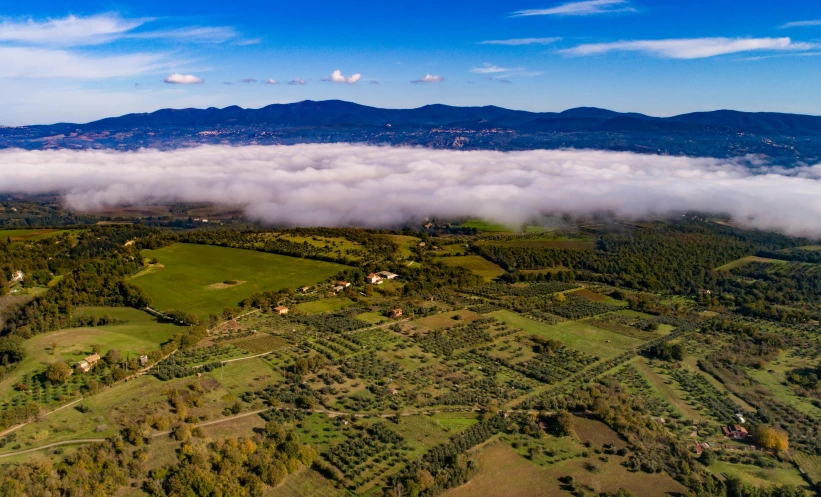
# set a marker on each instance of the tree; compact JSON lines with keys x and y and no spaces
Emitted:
{"x":563,"y":424}
{"x":58,"y":372}
{"x":771,"y":438}
{"x":113,"y":356}
{"x":707,"y":458}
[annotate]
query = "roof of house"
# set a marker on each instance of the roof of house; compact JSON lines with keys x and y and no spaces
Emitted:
{"x":280,"y":308}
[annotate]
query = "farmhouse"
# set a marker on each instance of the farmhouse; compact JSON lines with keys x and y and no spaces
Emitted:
{"x":143,"y":360}
{"x":304,"y":289}
{"x":344,"y":284}
{"x":281,"y":310}
{"x":373,"y":279}
{"x":339,"y":288}
{"x":704,"y":291}
{"x":396,"y":313}
{"x":17,"y":276}
{"x":737,"y":432}
{"x":387,"y":275}
{"x":86,"y":364}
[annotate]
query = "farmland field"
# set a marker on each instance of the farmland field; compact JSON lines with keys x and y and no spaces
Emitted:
{"x":189,"y":271}
{"x":139,"y":332}
{"x":488,"y":226}
{"x":785,"y":474}
{"x":29,"y":234}
{"x":543,"y":243}
{"x":476,"y":265}
{"x":747,"y":260}
{"x":503,"y":472}
{"x":325,"y":305}
{"x":574,"y":334}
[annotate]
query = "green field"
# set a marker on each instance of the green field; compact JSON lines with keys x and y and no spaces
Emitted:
{"x":565,"y":244}
{"x":325,"y":305}
{"x":488,"y":226}
{"x":475,"y":264}
{"x":29,"y":234}
{"x":503,"y":473}
{"x":746,"y":260}
{"x":574,"y":334}
{"x":785,"y":474}
{"x":141,"y":332}
{"x":192,"y":276}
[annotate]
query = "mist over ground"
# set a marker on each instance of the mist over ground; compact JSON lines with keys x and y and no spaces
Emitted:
{"x":343,"y":185}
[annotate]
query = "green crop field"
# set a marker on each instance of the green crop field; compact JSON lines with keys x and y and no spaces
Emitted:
{"x":574,"y":334}
{"x":475,"y":264}
{"x":192,"y":275}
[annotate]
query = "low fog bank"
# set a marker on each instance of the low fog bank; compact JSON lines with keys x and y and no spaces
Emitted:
{"x":343,"y":185}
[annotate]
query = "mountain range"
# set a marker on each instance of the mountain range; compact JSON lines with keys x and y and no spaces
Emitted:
{"x":784,"y":138}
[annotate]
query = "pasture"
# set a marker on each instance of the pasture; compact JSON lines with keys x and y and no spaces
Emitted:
{"x":186,"y":280}
{"x":488,"y":226}
{"x":476,"y":264}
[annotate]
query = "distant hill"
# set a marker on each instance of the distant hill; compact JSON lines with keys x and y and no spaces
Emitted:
{"x":786,"y":138}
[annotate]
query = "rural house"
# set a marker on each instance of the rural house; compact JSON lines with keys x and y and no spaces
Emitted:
{"x":143,"y":360}
{"x":396,"y":313}
{"x":373,"y":279}
{"x":344,"y":284}
{"x":305,"y":289}
{"x":737,"y":432}
{"x":17,"y":276}
{"x":339,"y":288}
{"x":387,"y":275}
{"x":86,"y":364}
{"x":281,"y":310}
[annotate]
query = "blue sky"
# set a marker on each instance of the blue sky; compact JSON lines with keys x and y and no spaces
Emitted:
{"x":62,"y":62}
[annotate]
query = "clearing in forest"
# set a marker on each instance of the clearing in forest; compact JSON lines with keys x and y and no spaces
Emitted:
{"x":190,"y":271}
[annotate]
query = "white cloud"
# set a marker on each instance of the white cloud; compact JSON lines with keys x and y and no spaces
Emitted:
{"x":429,"y":78}
{"x":296,"y":81}
{"x":691,"y":48}
{"x":488,"y":68}
{"x":338,"y":77}
{"x":32,"y":62}
{"x":521,"y":41}
{"x":585,"y":8}
{"x":801,"y":24}
{"x":183,"y":79}
{"x":271,"y":82}
{"x":213,"y":34}
{"x":323,"y":185}
{"x":70,"y":31}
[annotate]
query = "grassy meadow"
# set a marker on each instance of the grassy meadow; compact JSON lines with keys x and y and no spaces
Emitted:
{"x":192,"y":276}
